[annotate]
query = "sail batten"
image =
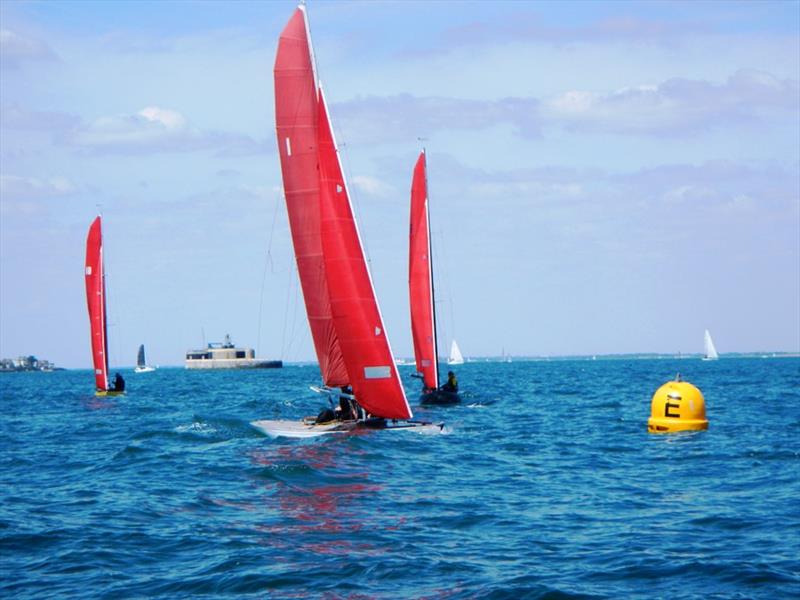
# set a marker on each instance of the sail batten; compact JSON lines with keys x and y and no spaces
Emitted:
{"x":96,"y":303}
{"x":420,"y":279}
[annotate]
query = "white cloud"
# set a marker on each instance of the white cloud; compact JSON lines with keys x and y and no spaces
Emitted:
{"x":157,"y":129}
{"x":168,"y":118}
{"x":14,"y":187}
{"x":16,"y":49}
{"x":372,"y":186}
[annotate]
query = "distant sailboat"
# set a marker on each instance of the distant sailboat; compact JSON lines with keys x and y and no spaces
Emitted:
{"x":504,"y":357}
{"x":141,"y":363}
{"x":346,"y":325}
{"x":95,"y":279}
{"x":421,"y":293}
{"x":455,"y":355}
{"x":710,"y":350}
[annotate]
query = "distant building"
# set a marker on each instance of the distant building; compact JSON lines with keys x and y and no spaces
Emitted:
{"x":227,"y":356}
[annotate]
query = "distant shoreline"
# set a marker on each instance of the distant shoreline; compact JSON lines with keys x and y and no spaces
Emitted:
{"x":409,"y":362}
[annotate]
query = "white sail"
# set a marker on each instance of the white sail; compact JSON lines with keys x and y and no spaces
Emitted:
{"x":455,"y":355}
{"x":711,"y":351}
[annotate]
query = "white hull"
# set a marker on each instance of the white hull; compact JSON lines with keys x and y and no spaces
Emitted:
{"x":309,"y":429}
{"x":144,"y":369}
{"x":300,"y":429}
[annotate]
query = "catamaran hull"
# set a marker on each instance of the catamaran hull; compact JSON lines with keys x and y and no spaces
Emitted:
{"x":300,"y":429}
{"x":440,"y":397}
{"x":307,"y":429}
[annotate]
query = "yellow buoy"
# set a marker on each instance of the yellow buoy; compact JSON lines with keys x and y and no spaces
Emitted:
{"x":677,"y":406}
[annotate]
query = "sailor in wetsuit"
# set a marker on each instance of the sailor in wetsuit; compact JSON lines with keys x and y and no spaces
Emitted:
{"x":347,"y":410}
{"x":119,"y":383}
{"x":452,"y":383}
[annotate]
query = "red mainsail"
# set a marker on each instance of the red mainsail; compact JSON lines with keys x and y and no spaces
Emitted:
{"x":420,"y":279}
{"x":296,"y":126}
{"x":96,"y":301}
{"x":356,"y":316}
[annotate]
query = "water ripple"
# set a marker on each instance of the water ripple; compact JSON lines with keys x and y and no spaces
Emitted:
{"x":546,"y":486}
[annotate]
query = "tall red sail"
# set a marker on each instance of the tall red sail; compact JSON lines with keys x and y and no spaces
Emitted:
{"x":420,"y":279}
{"x":359,"y":326}
{"x":296,"y":126}
{"x":96,"y":301}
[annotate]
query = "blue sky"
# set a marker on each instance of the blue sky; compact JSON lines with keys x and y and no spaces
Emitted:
{"x":605,"y":177}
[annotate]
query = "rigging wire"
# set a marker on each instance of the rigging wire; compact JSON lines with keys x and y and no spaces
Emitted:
{"x":267,"y":262}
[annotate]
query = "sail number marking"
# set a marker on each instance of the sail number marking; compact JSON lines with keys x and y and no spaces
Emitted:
{"x":377,"y":372}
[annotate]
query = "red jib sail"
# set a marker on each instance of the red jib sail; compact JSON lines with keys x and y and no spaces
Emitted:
{"x":96,"y":301}
{"x":359,"y":326}
{"x":420,"y":279}
{"x":296,"y":125}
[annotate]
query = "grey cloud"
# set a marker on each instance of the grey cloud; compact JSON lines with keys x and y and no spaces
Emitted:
{"x":676,"y":106}
{"x":152,"y":129}
{"x":397,"y":118}
{"x":530,"y":27}
{"x":19,"y":118}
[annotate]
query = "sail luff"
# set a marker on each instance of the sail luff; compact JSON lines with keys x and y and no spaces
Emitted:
{"x":296,"y":98}
{"x":420,"y":279}
{"x":356,"y":314}
{"x":96,"y":303}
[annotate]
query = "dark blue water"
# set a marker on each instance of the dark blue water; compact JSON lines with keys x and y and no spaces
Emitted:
{"x":546,"y":485}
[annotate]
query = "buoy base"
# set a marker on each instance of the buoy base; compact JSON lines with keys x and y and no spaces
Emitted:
{"x":677,"y":406}
{"x":673,"y":425}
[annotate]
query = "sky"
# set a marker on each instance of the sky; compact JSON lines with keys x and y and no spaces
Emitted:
{"x":604,"y":177}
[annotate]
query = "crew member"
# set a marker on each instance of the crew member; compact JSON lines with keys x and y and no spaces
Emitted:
{"x":452,"y":383}
{"x":119,"y":383}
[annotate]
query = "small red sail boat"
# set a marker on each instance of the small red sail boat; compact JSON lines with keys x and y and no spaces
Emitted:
{"x":96,"y":301}
{"x":421,"y":293}
{"x":346,"y":324}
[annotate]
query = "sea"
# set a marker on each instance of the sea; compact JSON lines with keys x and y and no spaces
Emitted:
{"x":544,"y":483}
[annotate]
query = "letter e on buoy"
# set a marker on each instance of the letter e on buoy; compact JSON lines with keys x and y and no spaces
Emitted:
{"x":677,"y":406}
